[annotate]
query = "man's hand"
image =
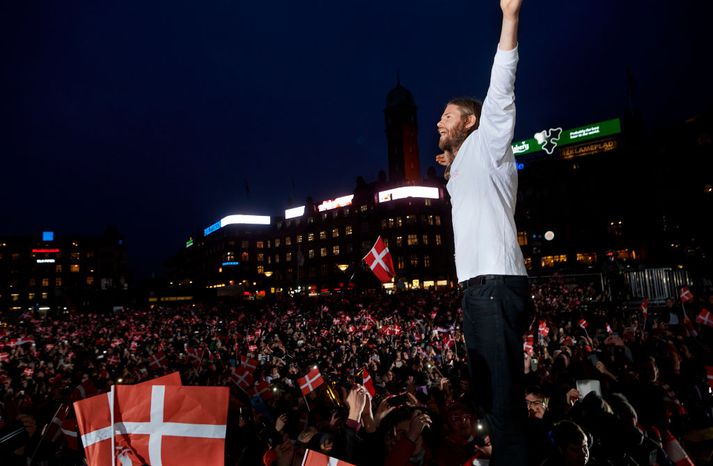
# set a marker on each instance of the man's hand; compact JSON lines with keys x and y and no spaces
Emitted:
{"x":511,"y":8}
{"x":445,"y":158}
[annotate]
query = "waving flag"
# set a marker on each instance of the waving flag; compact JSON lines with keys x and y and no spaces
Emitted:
{"x":313,"y":458}
{"x":157,"y":360}
{"x":705,"y":318}
{"x":645,"y":307}
{"x":368,"y":382}
{"x":583,"y":323}
{"x":543,"y":330}
{"x":379,"y":261}
{"x":310,"y":382}
{"x":242,"y":377}
{"x":685,"y":295}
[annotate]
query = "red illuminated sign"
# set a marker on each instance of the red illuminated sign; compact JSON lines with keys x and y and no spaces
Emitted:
{"x":45,"y":251}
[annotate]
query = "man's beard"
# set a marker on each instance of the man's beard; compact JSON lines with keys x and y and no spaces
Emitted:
{"x":452,"y":140}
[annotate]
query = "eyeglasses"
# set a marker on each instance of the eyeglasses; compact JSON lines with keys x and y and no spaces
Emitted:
{"x":535,"y":403}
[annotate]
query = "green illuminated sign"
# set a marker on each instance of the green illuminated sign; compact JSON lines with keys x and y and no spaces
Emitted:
{"x":189,"y":243}
{"x":548,"y":140}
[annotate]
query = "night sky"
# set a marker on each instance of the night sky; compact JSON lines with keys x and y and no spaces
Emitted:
{"x":161,"y":117}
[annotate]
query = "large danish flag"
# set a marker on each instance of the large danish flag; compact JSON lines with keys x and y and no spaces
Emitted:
{"x":311,"y":381}
{"x":155,"y":424}
{"x":379,"y":260}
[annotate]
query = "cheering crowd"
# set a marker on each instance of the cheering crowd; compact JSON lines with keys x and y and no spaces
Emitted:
{"x":377,"y":379}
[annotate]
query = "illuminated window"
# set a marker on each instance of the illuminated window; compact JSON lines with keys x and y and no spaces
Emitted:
{"x":400,"y":263}
{"x":412,"y":240}
{"x":322,"y":234}
{"x":15,"y":296}
{"x":335,"y":232}
{"x":75,"y":256}
{"x":259,"y":244}
{"x":363,"y":208}
{"x":414,"y":260}
{"x":335,"y":250}
{"x":74,"y":268}
{"x":90,"y":280}
{"x":392,"y":222}
{"x":587,"y":258}
{"x":411,"y":220}
{"x":424,"y":240}
{"x":277,"y":242}
{"x":551,"y":261}
{"x":323,"y":252}
{"x":260,"y":269}
{"x":299,"y":238}
{"x":399,"y":221}
{"x":229,"y":256}
{"x":245,"y":257}
{"x":58,"y":268}
{"x":288,"y":257}
{"x":427,"y":202}
{"x":268,"y":244}
{"x":310,"y":237}
{"x":399,"y":241}
{"x":260,"y":257}
{"x":277,"y":258}
{"x":522,"y":238}
{"x":438,"y":240}
{"x":616,"y":228}
{"x":288,"y":240}
{"x":528,"y":263}
{"x":44,"y":295}
{"x":438,"y":220}
{"x":348,"y":230}
{"x":30,"y":296}
{"x":426,"y":260}
{"x":310,"y":254}
{"x":58,"y":281}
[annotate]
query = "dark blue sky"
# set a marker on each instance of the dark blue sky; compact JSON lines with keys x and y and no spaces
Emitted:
{"x":153,"y":116}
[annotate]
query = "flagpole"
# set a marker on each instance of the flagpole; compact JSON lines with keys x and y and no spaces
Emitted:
{"x":307,"y":403}
{"x":44,"y":433}
{"x":113,"y":432}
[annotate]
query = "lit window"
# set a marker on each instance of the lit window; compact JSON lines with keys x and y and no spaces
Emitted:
{"x":58,"y":268}
{"x":44,"y":295}
{"x":438,"y":240}
{"x":277,"y":258}
{"x":260,"y":269}
{"x":30,"y":296}
{"x":15,"y":296}
{"x":259,"y":244}
{"x":90,"y":280}
{"x":288,"y":257}
{"x":288,"y":240}
{"x":310,"y":237}
{"x":391,"y":223}
{"x":348,"y":230}
{"x":400,"y":263}
{"x":335,"y":250}
{"x":322,"y":234}
{"x":299,"y":238}
{"x":76,"y":256}
{"x":74,"y":268}
{"x":424,"y":240}
{"x":522,"y":238}
{"x":399,"y":241}
{"x":399,"y":221}
{"x":323,"y":252}
{"x":58,"y":281}
{"x":410,"y":220}
{"x":310,"y":254}
{"x":587,"y":258}
{"x":260,"y":257}
{"x":412,"y":240}
{"x":414,"y":260}
{"x":335,"y":232}
{"x":363,"y":208}
{"x":245,"y":257}
{"x":426,"y":260}
{"x":438,"y":220}
{"x":427,"y":203}
{"x":277,"y":242}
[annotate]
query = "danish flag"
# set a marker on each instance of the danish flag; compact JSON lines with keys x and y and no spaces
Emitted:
{"x":528,"y":344}
{"x":249,"y":363}
{"x":645,"y":307}
{"x":157,"y":360}
{"x":379,"y":260}
{"x":242,"y":377}
{"x":313,"y":458}
{"x":543,"y":330}
{"x":368,"y":382}
{"x":705,"y":318}
{"x":310,"y":382}
{"x":686,"y":295}
{"x":154,"y":424}
{"x":583,"y":323}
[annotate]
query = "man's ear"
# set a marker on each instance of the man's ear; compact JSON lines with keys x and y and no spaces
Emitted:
{"x":470,"y":122}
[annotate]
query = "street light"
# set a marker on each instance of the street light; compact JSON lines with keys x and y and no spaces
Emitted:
{"x":268,"y":273}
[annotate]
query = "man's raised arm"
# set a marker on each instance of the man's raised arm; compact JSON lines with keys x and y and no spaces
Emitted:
{"x":511,"y":17}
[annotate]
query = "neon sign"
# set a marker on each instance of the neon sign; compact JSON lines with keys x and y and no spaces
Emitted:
{"x":423,"y":192}
{"x":334,"y":203}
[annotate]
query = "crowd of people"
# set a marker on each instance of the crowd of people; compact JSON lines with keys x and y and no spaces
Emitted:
{"x":607,"y":384}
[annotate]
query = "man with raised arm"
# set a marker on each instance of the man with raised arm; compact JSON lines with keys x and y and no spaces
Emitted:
{"x":482,"y":181}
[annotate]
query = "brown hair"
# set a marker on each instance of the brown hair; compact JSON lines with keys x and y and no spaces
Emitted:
{"x":468,"y":106}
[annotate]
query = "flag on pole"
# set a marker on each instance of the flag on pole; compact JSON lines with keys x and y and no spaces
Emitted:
{"x":379,"y":261}
{"x":609,"y":330}
{"x":313,"y":458}
{"x":685,"y":295}
{"x":242,"y":377}
{"x":705,"y":318}
{"x":543,"y":330}
{"x":645,"y":307}
{"x":583,"y":323}
{"x":528,"y":344}
{"x":311,"y":381}
{"x":155,"y":424}
{"x":368,"y":382}
{"x":157,"y":360}
{"x":249,"y":363}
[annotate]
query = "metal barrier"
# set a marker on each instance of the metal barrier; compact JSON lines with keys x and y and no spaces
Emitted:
{"x":656,"y":284}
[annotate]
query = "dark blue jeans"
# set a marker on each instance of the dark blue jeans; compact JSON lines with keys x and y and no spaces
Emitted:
{"x":497,"y":312}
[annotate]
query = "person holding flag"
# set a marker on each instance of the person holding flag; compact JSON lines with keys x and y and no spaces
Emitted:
{"x":476,"y":140}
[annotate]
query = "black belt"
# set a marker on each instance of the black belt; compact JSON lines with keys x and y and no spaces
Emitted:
{"x":481,"y":280}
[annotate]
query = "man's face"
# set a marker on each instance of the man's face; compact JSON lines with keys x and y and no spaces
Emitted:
{"x":452,"y":129}
{"x":536,"y":406}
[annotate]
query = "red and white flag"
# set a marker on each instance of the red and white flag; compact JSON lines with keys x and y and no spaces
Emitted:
{"x":685,"y":295}
{"x":242,"y":377}
{"x":4,"y":357}
{"x":313,"y":458}
{"x":543,"y":330}
{"x":645,"y":307}
{"x":705,"y":318}
{"x":379,"y":260}
{"x":609,"y":330}
{"x":368,"y":382}
{"x":310,"y":382}
{"x":157,"y":361}
{"x":154,"y":424}
{"x":709,"y":375}
{"x":249,"y":363}
{"x":528,"y":344}
{"x":583,"y":323}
